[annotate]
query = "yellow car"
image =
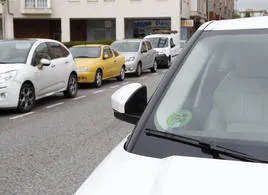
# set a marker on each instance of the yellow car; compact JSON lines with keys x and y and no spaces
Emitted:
{"x":98,"y":62}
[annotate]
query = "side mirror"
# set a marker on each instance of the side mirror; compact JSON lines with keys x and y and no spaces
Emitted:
{"x":173,"y":45}
{"x":129,"y":102}
{"x":143,"y":51}
{"x":105,"y":56}
{"x":45,"y":62}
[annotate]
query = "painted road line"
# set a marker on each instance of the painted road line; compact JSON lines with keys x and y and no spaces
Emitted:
{"x":155,"y":74}
{"x":54,"y":105}
{"x":21,"y":115}
{"x":115,"y":86}
{"x":80,"y":97}
{"x":125,"y":83}
{"x":99,"y":91}
{"x":144,"y":77}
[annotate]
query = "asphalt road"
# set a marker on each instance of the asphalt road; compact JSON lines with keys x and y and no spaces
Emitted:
{"x":54,"y":148}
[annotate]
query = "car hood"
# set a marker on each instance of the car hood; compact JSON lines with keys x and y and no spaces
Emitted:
{"x":125,"y":173}
{"x":82,"y":62}
{"x":129,"y":54}
{"x":9,"y":67}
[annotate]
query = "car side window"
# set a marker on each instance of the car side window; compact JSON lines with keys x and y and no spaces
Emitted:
{"x":149,"y":45}
{"x":65,"y":51}
{"x":41,"y":51}
{"x":107,"y":51}
{"x":115,"y":53}
{"x":56,"y":50}
{"x":143,"y":47}
{"x":172,"y":44}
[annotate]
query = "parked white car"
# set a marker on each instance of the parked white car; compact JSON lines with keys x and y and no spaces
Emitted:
{"x":205,"y":129}
{"x":139,"y":55}
{"x":32,"y":69}
{"x":167,"y":46}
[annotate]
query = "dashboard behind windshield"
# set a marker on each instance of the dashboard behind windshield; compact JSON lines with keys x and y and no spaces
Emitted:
{"x":219,"y":93}
{"x":125,"y":46}
{"x":14,"y":51}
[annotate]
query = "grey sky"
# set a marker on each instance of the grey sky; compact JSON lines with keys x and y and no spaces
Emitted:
{"x":255,"y":4}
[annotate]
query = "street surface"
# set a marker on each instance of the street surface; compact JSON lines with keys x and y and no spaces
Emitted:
{"x":54,"y":148}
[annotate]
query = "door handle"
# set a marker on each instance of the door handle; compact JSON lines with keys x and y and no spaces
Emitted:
{"x":114,"y":60}
{"x":67,"y":62}
{"x":53,"y":65}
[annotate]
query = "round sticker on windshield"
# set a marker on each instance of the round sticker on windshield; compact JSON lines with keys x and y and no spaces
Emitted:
{"x":179,"y":119}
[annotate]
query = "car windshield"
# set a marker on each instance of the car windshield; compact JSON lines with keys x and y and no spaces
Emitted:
{"x":125,"y":46}
{"x":159,"y":42}
{"x":14,"y":51}
{"x":221,"y":89}
{"x":86,"y":52}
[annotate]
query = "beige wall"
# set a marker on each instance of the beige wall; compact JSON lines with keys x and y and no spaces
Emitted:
{"x":117,"y":9}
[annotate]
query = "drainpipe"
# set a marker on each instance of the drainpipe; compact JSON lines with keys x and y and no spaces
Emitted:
{"x":3,"y":20}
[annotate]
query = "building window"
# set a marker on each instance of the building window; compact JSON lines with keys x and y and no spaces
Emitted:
{"x":36,"y":3}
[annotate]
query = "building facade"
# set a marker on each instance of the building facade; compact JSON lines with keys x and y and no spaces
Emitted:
{"x":198,"y":12}
{"x":220,"y":9}
{"x":77,"y":20}
{"x":252,"y":13}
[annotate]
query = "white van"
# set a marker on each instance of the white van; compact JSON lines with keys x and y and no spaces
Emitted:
{"x":167,"y":45}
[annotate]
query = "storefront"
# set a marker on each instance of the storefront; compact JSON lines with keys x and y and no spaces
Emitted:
{"x":138,"y":28}
{"x":186,"y":29}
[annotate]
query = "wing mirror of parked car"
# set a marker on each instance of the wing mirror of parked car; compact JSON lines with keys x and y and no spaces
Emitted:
{"x":129,"y":102}
{"x":143,"y":51}
{"x":105,"y":56}
{"x":45,"y":62}
{"x":173,"y":45}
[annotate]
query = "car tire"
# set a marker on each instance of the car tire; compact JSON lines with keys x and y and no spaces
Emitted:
{"x":122,"y":75}
{"x":26,"y":98}
{"x":168,"y":62}
{"x":154,"y":68}
{"x":98,"y":79}
{"x":139,"y":70}
{"x":72,"y":87}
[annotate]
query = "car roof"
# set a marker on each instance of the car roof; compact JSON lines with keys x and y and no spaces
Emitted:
{"x":130,"y":40}
{"x":236,"y":24}
{"x":158,"y":35}
{"x":90,"y":45}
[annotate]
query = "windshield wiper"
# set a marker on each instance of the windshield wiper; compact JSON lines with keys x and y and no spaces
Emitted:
{"x":207,"y":147}
{"x":82,"y":57}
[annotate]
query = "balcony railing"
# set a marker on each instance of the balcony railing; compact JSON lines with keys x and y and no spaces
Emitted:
{"x":37,"y":4}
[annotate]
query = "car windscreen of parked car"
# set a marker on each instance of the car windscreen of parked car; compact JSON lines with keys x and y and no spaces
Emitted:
{"x":14,"y":51}
{"x":220,"y":92}
{"x":86,"y":52}
{"x":159,"y":42}
{"x":125,"y":46}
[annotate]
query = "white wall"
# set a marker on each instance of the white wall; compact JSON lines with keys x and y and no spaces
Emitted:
{"x":114,"y":9}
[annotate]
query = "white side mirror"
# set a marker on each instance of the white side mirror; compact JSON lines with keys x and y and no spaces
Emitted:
{"x":129,"y":102}
{"x":45,"y":62}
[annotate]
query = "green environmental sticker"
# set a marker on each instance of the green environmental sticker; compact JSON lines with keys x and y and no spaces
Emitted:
{"x":179,"y":119}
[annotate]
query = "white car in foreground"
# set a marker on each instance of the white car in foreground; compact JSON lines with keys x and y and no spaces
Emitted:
{"x":32,"y":69}
{"x":205,"y":129}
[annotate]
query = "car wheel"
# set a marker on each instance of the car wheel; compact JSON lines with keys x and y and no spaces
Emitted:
{"x":121,"y":77}
{"x":154,"y":68}
{"x":168,"y":62}
{"x":72,"y":88}
{"x":139,"y":69}
{"x":98,"y":79}
{"x":26,"y":98}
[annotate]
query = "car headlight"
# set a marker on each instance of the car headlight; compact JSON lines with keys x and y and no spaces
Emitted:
{"x":7,"y":76}
{"x":130,"y":59}
{"x":83,"y":69}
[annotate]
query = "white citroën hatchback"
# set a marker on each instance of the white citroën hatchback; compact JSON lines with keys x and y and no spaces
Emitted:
{"x":205,"y":129}
{"x":32,"y":69}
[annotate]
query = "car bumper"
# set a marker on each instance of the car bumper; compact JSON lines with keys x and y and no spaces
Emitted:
{"x":162,"y":59}
{"x":86,"y":77}
{"x":131,"y":67}
{"x":9,"y":94}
